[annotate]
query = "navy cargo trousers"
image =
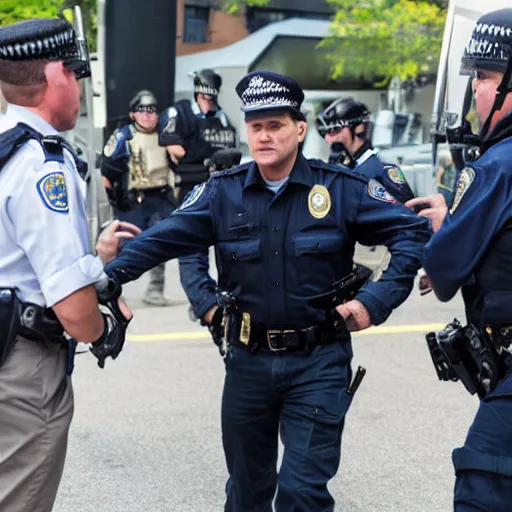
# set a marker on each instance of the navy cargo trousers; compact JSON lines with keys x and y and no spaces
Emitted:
{"x":304,"y":398}
{"x":483,"y":466}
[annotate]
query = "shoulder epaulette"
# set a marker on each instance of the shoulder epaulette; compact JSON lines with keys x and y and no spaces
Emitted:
{"x":234,"y":170}
{"x":53,"y":147}
{"x":347,"y":171}
{"x":11,"y":140}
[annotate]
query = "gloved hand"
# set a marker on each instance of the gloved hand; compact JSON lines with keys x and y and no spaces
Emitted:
{"x":217,"y":330}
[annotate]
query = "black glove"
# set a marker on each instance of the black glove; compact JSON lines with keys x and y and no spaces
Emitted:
{"x":111,"y":342}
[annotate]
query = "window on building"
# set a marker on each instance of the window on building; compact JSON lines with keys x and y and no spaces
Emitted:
{"x":259,"y":17}
{"x":196,"y":24}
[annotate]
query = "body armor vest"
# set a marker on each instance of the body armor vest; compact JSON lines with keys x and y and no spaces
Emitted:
{"x":149,"y":166}
{"x":217,"y":135}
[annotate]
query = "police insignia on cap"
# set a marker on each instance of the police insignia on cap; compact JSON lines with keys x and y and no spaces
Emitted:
{"x":52,"y":190}
{"x":377,"y":191}
{"x":466,"y":177}
{"x":319,"y":201}
{"x":395,"y":174}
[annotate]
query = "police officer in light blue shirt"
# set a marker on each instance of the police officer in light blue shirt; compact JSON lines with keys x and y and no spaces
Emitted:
{"x":47,"y":272}
{"x":285,"y":228}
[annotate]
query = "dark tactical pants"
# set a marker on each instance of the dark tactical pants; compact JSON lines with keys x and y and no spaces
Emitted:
{"x":304,"y":398}
{"x":483,"y":466}
{"x":152,"y":210}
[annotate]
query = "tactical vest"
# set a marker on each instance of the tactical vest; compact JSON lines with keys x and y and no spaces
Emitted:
{"x":149,"y":166}
{"x":488,"y":295}
{"x":219,"y":136}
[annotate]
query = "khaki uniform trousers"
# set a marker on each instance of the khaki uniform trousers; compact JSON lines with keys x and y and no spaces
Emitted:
{"x":36,"y":407}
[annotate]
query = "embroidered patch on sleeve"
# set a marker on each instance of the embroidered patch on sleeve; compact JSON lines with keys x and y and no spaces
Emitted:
{"x":53,"y":192}
{"x":377,"y":191}
{"x":395,"y":174}
{"x":466,"y":177}
{"x":193,"y":196}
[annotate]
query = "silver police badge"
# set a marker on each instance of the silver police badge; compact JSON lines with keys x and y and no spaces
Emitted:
{"x":319,"y":201}
{"x":466,"y":177}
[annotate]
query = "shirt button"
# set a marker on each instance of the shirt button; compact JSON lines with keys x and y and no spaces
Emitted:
{"x":277,"y":252}
{"x":277,"y":283}
{"x":276,"y":228}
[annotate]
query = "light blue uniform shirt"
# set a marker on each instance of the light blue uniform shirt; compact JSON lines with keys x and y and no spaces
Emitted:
{"x":44,"y":242}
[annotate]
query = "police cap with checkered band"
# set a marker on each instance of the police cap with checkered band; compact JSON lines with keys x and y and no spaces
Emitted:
{"x":262,"y":91}
{"x":51,"y":39}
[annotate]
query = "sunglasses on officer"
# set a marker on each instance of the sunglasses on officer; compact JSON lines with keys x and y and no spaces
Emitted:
{"x":147,"y":109}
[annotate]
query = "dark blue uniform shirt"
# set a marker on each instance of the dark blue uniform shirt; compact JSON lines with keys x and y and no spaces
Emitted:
{"x":274,"y":254}
{"x":473,"y":248}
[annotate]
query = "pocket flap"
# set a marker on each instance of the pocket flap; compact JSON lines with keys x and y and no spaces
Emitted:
{"x":317,"y":243}
{"x":243,"y":250}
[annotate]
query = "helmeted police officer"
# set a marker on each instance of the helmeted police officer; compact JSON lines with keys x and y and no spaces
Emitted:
{"x":139,"y":178}
{"x":47,"y":272}
{"x":285,"y":229}
{"x":345,"y":126}
{"x":192,"y":133}
{"x":471,"y":251}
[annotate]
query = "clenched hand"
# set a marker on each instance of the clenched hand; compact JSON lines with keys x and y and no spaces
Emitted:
{"x":356,"y":316}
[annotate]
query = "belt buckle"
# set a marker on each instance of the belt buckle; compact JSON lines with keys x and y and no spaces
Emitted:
{"x":272,"y":334}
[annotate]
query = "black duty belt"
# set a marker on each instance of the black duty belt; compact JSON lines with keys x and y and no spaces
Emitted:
{"x":282,"y":340}
{"x":40,"y":324}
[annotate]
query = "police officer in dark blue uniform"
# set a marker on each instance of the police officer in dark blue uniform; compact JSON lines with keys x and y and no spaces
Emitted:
{"x":139,"y":177}
{"x":471,"y":250}
{"x":285,"y":229}
{"x":345,"y":126}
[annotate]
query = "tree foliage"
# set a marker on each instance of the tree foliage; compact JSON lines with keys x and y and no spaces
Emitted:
{"x":12,"y":11}
{"x":385,"y":39}
{"x":235,"y":6}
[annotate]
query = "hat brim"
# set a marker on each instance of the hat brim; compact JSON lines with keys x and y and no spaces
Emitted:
{"x":271,"y":110}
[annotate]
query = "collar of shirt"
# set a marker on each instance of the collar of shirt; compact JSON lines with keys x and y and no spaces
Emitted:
{"x":301,"y":174}
{"x":367,"y":154}
{"x":16,"y":114}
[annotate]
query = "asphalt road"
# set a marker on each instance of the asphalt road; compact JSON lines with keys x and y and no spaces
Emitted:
{"x":146,"y":431}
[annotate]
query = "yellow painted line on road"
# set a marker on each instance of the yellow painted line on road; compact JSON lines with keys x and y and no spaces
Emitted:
{"x":204,"y":334}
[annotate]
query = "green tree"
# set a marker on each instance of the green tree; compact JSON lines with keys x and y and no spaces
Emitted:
{"x":12,"y":11}
{"x":383,"y":39}
{"x":235,"y":6}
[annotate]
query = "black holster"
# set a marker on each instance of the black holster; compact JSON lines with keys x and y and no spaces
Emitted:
{"x":467,"y":354}
{"x":25,"y":319}
{"x":10,"y":311}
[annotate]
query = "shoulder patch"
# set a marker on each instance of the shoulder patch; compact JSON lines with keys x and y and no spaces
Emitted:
{"x":53,"y":192}
{"x":377,"y":191}
{"x":170,"y":124}
{"x":395,"y":174}
{"x":111,"y":144}
{"x":193,"y":196}
{"x":466,"y":178}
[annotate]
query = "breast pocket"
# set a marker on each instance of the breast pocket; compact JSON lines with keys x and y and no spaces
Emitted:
{"x":242,"y":260}
{"x":318,"y":256}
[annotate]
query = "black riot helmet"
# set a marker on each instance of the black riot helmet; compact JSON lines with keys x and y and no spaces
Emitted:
{"x":143,"y":101}
{"x":207,"y":82}
{"x":490,"y":48}
{"x":344,"y":112}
